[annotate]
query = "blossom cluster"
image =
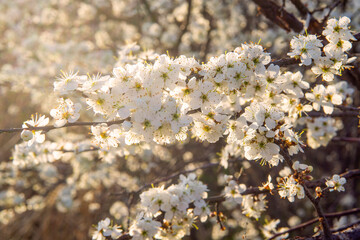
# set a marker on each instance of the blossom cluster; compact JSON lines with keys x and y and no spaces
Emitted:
{"x":334,"y":60}
{"x":254,"y":205}
{"x":238,"y":94}
{"x":160,"y":102}
{"x":289,"y":186}
{"x":169,"y":213}
{"x":327,"y":97}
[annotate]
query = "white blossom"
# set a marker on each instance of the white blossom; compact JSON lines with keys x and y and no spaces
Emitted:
{"x":336,"y":183}
{"x":32,"y":136}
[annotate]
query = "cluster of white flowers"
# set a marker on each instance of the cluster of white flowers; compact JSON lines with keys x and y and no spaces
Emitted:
{"x":105,"y":136}
{"x":327,"y":97}
{"x":305,"y":47}
{"x":237,"y":94}
{"x":44,"y":37}
{"x":289,"y":188}
{"x":159,"y":102}
{"x":336,"y":183}
{"x":170,"y":213}
{"x":334,"y":60}
{"x":144,"y":228}
{"x":338,"y":34}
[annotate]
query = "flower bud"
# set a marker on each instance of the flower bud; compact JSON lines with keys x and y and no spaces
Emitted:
{"x":26,"y":135}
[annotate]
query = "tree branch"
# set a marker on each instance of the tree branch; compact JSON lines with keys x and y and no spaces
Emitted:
{"x":48,"y":128}
{"x":321,"y":216}
{"x":279,"y":16}
{"x":340,"y":114}
{"x":314,"y":25}
{"x":285,"y":62}
{"x":349,"y":174}
{"x":312,"y":221}
{"x":347,"y":139}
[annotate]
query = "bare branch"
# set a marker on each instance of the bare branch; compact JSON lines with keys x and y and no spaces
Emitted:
{"x":314,"y":25}
{"x":340,"y":114}
{"x":347,"y":139}
{"x":48,"y":128}
{"x":349,"y":174}
{"x":279,"y":16}
{"x":310,"y":222}
{"x":331,"y":8}
{"x":285,"y":62}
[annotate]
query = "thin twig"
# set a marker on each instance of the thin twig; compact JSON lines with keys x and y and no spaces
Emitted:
{"x":331,"y":8}
{"x":349,"y":174}
{"x":339,"y":114}
{"x":312,"y":221}
{"x":218,"y":217}
{"x":348,"y":108}
{"x":346,"y":227}
{"x":347,"y":139}
{"x":48,"y":128}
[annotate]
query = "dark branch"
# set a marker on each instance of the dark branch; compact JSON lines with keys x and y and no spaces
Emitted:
{"x":347,"y":139}
{"x":349,"y":174}
{"x":314,"y":25}
{"x":279,"y":16}
{"x":310,"y":222}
